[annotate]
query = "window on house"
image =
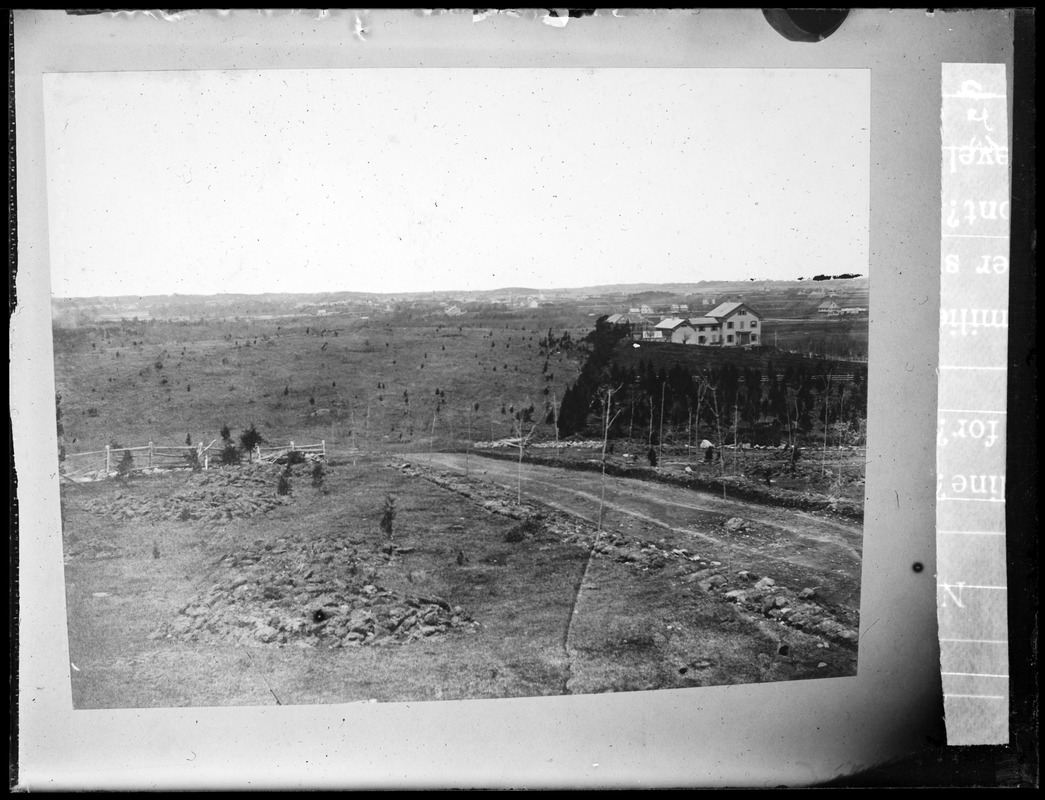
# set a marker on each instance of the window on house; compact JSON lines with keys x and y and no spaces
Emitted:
{"x":754,"y":337}
{"x":729,"y":338}
{"x":701,"y":339}
{"x":729,"y":325}
{"x":754,"y":324}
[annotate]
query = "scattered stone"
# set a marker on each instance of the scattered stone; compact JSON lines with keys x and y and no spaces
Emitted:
{"x":765,"y":583}
{"x":806,"y":594}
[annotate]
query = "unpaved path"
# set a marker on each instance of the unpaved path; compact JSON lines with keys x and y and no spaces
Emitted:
{"x":794,"y":545}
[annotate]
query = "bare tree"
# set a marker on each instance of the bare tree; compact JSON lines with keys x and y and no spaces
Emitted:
{"x":517,"y":419}
{"x":608,"y":418}
{"x":555,"y":420}
{"x":661,"y":436}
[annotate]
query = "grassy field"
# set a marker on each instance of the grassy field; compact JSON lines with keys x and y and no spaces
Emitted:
{"x":538,"y":622}
{"x":191,"y":589}
{"x":346,"y":381}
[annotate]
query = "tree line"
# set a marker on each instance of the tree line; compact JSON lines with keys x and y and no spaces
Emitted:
{"x":722,"y":403}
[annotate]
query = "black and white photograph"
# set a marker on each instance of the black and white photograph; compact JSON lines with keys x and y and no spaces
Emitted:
{"x":407,"y":384}
{"x":541,"y":398}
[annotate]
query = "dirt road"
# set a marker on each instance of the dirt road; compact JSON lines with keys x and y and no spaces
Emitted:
{"x":794,"y":547}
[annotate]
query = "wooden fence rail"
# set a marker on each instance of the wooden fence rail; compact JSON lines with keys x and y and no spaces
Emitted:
{"x":104,"y":463}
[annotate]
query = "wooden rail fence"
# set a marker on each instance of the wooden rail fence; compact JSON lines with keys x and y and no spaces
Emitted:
{"x":101,"y":464}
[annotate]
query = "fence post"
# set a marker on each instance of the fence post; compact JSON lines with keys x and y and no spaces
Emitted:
{"x":257,"y":453}
{"x":150,"y":455}
{"x":199,"y":455}
{"x":107,"y":460}
{"x":291,"y":447}
{"x":323,"y":442}
{"x":206,"y":463}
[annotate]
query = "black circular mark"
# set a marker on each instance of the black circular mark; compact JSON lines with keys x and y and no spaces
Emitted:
{"x":917,"y":566}
{"x":805,"y":25}
{"x":318,"y":615}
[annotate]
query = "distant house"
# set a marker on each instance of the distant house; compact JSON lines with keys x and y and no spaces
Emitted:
{"x":532,"y":304}
{"x":829,"y":307}
{"x":645,"y":309}
{"x":637,"y":325}
{"x":454,"y":311}
{"x":675,"y":329}
{"x":853,"y":310}
{"x":728,"y":325}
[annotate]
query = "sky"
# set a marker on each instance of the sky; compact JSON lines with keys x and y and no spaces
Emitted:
{"x":405,"y":180}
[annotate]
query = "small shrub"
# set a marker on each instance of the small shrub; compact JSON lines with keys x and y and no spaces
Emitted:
{"x":230,"y":454}
{"x":388,"y":516}
{"x":126,"y":464}
{"x":318,"y":474}
{"x":192,"y":458}
{"x":250,"y":438}
{"x":518,"y":533}
{"x":295,"y":457}
{"x":283,"y":487}
{"x":652,"y":456}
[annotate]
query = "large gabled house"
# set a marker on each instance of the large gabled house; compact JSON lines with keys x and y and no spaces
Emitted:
{"x":728,"y":325}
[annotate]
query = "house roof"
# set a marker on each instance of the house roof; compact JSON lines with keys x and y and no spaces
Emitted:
{"x":670,"y":324}
{"x":828,"y":302}
{"x":703,"y":321}
{"x":625,"y":319}
{"x":724,"y":309}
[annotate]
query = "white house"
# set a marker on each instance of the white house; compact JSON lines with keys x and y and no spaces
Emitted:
{"x":675,"y":329}
{"x":728,"y":325}
{"x":829,"y":307}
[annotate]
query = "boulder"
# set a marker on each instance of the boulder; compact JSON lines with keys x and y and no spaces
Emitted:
{"x":765,"y":583}
{"x":265,"y":633}
{"x":806,"y":594}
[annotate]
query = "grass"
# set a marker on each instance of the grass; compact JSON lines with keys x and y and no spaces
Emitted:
{"x":521,"y":600}
{"x":632,"y":629}
{"x":276,"y":376}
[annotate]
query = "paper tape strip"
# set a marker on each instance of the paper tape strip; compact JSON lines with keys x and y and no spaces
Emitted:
{"x":972,"y":420}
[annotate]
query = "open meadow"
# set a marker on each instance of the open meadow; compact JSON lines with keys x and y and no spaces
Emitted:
{"x":368,"y":384}
{"x":421,"y":553}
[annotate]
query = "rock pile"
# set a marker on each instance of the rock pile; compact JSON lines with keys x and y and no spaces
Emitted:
{"x":215,"y":497}
{"x":308,"y":593}
{"x":752,"y":594}
{"x":250,"y":614}
{"x":762,"y":596}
